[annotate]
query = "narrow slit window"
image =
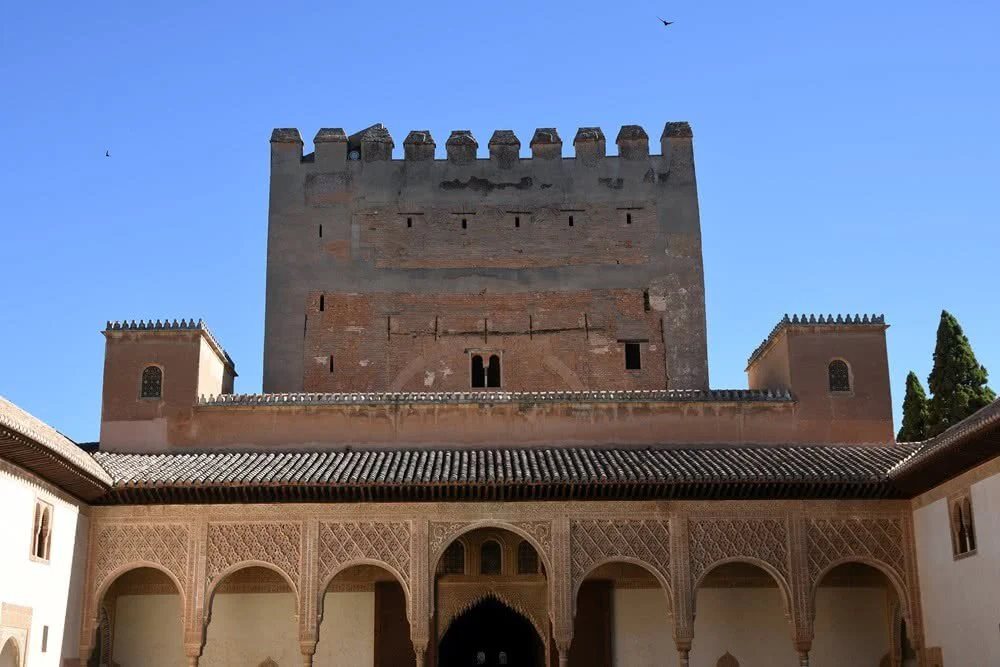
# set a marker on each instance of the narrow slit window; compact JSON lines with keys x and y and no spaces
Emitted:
{"x":517,"y":221}
{"x":331,"y":363}
{"x":152,"y":382}
{"x":322,"y":302}
{"x":570,"y":221}
{"x":465,"y":223}
{"x":633,"y":357}
{"x":409,"y":222}
{"x":478,"y":372}
{"x":645,"y":300}
{"x":628,"y":218}
{"x":321,"y":231}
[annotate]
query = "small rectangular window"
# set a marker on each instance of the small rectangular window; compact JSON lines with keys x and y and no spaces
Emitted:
{"x":331,"y":363}
{"x":322,"y":302}
{"x":570,"y":221}
{"x":465,"y":223}
{"x":633,"y":358}
{"x":645,"y":300}
{"x":409,"y":222}
{"x":628,"y":218}
{"x":517,"y":221}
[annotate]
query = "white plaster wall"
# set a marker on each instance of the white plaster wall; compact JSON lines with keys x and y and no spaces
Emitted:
{"x":248,"y":628}
{"x":148,"y":631}
{"x":347,"y":631}
{"x":748,"y":622}
{"x":643,"y":633}
{"x":851,"y":628}
{"x":961,"y":598}
{"x":52,"y":589}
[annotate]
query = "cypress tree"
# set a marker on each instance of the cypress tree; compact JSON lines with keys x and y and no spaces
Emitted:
{"x":957,"y":381}
{"x":914,"y":426}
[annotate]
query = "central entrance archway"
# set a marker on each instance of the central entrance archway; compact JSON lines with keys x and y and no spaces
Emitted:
{"x":491,"y":634}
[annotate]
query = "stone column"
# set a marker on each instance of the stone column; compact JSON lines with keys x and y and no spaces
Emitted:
{"x":561,"y":589}
{"x":309,"y":596}
{"x":683,"y":651}
{"x":801,"y":583}
{"x":193,"y":653}
{"x":195,"y":616}
{"x":683,"y":593}
{"x":421,"y":586}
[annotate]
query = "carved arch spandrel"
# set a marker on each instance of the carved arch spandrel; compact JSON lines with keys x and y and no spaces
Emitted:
{"x":880,"y":542}
{"x":124,"y":546}
{"x":385,"y":544}
{"x":644,"y":542}
{"x":719,"y":540}
{"x":232,"y":544}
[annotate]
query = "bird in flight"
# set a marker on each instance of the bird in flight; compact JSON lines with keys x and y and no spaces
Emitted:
{"x":665,"y":23}
{"x":107,"y":153}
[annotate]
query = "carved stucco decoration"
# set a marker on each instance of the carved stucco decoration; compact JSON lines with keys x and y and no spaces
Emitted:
{"x":716,"y":540}
{"x":354,"y":541}
{"x":528,"y":599}
{"x":597,"y":541}
{"x":119,"y":545}
{"x":877,"y":539}
{"x":442,"y":533}
{"x":279,"y":544}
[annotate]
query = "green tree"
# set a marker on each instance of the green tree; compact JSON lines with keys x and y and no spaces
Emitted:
{"x":914,"y":426}
{"x":958,"y":381}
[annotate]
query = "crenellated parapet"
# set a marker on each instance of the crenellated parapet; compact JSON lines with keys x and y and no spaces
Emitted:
{"x":807,"y":320}
{"x":375,"y":144}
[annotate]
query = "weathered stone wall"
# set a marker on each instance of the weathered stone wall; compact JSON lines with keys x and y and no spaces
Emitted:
{"x":419,"y":227}
{"x":426,"y":342}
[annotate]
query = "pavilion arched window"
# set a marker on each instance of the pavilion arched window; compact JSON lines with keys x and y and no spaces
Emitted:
{"x":453,"y":559}
{"x":527,"y":558}
{"x":840,"y":375}
{"x":490,"y":559}
{"x":152,"y":382}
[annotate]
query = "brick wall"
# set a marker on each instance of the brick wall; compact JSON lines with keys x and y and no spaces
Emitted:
{"x":426,"y":342}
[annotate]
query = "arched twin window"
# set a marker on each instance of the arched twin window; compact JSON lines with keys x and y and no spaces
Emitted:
{"x":963,"y":530}
{"x":152,"y":382}
{"x":490,"y":559}
{"x":41,"y":538}
{"x":840,"y":375}
{"x":485,"y":374}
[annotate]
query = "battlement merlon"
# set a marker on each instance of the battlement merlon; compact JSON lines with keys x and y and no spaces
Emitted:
{"x":333,"y":148}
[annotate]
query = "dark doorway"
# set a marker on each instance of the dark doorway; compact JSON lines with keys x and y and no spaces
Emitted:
{"x":491,"y":634}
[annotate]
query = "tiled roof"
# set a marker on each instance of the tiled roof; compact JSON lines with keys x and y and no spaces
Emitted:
{"x":174,"y":325}
{"x":504,"y":474}
{"x":33,"y":444}
{"x":638,"y":395}
{"x":816,"y":320}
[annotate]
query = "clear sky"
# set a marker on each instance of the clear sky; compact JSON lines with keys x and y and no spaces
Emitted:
{"x":848,"y":154}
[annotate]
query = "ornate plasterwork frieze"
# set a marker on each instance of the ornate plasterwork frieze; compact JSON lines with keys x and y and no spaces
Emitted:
{"x":715,"y":540}
{"x":867,"y":539}
{"x":442,"y":533}
{"x":596,"y":541}
{"x":342,"y":542}
{"x":278,"y":544}
{"x":121,"y":545}
{"x":530,"y":599}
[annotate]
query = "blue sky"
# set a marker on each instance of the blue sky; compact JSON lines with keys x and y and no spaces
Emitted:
{"x":848,"y":154}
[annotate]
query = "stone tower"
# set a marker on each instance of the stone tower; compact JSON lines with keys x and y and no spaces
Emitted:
{"x":540,"y":273}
